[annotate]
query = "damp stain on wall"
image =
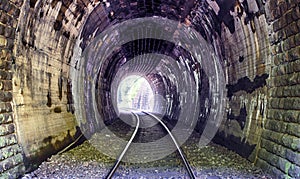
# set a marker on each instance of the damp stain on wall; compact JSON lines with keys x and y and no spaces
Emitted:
{"x":234,"y":143}
{"x":241,"y":118}
{"x":245,"y":84}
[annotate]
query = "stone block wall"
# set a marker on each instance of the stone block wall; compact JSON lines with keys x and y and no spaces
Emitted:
{"x":280,"y":142}
{"x":11,"y":159}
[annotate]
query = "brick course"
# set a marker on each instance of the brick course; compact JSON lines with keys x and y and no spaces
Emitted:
{"x":280,"y":143}
{"x":11,"y":158}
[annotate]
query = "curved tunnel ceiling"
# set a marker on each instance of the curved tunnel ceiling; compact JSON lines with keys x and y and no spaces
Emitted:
{"x":98,"y":68}
{"x":107,"y":14}
{"x":84,"y":21}
{"x":179,"y":59}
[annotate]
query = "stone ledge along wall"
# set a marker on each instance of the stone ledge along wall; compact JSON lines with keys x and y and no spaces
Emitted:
{"x":261,"y":51}
{"x":11,"y":159}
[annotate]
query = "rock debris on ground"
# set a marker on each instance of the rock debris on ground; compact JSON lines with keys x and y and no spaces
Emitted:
{"x":210,"y":162}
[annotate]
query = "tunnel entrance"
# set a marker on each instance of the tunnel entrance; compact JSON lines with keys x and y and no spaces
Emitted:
{"x":135,"y":93}
{"x":225,"y":71}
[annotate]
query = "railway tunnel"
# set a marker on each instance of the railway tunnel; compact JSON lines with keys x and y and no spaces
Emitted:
{"x":227,"y":69}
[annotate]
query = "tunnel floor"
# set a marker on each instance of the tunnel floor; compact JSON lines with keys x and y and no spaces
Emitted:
{"x":86,"y":161}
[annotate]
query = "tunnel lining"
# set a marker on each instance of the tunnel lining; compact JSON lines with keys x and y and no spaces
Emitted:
{"x":265,"y":35}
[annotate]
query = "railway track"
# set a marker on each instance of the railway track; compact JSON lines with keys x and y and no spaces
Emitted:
{"x":134,"y":134}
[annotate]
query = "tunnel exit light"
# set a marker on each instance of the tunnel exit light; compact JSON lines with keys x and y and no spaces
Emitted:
{"x":135,"y":93}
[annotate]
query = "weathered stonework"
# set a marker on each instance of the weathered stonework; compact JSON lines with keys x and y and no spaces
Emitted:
{"x":11,"y":158}
{"x":280,"y":143}
{"x":41,"y":81}
{"x":247,"y":69}
{"x":266,"y":118}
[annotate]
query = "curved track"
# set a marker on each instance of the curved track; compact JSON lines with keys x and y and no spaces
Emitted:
{"x":115,"y":167}
{"x":184,"y":159}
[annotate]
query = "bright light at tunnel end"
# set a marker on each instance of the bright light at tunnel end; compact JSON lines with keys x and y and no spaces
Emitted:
{"x":188,"y":39}
{"x":134,"y":93}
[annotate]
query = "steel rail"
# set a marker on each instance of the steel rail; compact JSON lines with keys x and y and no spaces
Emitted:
{"x":115,"y":167}
{"x":185,"y":161}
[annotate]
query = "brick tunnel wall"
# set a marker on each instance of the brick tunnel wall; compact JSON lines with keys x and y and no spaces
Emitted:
{"x":11,"y":159}
{"x":43,"y":102}
{"x":261,"y":53}
{"x":262,"y":69}
{"x":247,"y":67}
{"x":37,"y":114}
{"x":280,"y":142}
